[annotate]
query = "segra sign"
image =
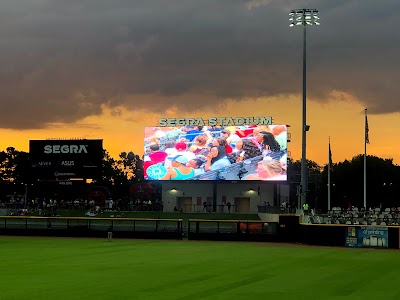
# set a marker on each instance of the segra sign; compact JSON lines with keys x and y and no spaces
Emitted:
{"x":222,"y":121}
{"x":48,"y":149}
{"x":50,"y":157}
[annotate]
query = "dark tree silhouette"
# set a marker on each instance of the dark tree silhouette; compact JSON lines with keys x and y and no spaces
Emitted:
{"x":14,"y":166}
{"x":347,"y":183}
{"x":15,"y":171}
{"x":383,"y":178}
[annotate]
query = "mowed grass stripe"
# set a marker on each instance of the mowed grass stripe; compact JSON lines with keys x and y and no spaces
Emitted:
{"x":68,"y":268}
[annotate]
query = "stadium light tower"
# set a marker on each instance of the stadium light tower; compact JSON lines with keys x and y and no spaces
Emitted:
{"x":304,"y":17}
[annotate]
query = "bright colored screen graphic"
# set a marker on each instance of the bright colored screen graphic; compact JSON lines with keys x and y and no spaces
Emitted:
{"x":216,"y":153}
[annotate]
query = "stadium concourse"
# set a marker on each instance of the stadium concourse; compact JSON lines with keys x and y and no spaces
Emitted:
{"x":124,"y":208}
{"x":78,"y":206}
{"x":355,"y":216}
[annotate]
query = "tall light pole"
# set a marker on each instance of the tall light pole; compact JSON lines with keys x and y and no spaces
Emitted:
{"x":304,"y":17}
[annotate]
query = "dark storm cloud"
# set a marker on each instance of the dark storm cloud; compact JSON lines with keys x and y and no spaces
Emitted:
{"x":61,"y":60}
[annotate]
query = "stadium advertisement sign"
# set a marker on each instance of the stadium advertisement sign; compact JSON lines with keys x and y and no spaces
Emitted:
{"x":61,"y":159}
{"x":367,"y":237}
{"x":202,"y":152}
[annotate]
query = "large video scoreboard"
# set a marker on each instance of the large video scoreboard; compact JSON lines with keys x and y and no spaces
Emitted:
{"x":66,"y":159}
{"x":245,"y":152}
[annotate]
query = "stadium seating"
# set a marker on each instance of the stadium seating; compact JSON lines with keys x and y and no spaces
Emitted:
{"x":355,"y":216}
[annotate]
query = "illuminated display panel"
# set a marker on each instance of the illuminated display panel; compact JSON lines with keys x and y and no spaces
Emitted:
{"x":61,"y":159}
{"x":216,"y":153}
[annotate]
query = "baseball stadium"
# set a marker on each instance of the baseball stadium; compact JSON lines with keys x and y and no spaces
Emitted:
{"x":212,"y":219}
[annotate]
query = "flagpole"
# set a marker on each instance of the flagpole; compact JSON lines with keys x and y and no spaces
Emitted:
{"x":365,"y":159}
{"x":329,"y":174}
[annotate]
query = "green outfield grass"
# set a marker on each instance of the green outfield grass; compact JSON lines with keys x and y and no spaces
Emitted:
{"x":72,"y":268}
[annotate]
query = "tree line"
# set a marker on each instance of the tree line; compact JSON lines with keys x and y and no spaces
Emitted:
{"x":347,"y":180}
{"x":15,"y":173}
{"x":347,"y":183}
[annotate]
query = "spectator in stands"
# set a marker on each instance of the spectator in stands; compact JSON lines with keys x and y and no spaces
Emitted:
{"x":156,"y":154}
{"x":110,"y":204}
{"x":228,"y":204}
{"x":386,"y":219}
{"x":283,"y":206}
{"x":201,"y":145}
{"x":280,"y":134}
{"x":305,"y":208}
{"x":269,"y":143}
{"x":173,"y":134}
{"x":198,"y":166}
{"x":245,"y":131}
{"x":179,"y":169}
{"x":222,"y":142}
{"x":215,"y":130}
{"x":257,"y":138}
{"x":192,"y":132}
{"x":154,"y":157}
{"x":268,"y":170}
{"x":231,"y":138}
{"x":203,"y":153}
{"x":204,"y":206}
{"x":169,"y":148}
{"x":256,"y":131}
{"x":207,"y":134}
{"x":181,"y":148}
{"x":216,"y":159}
{"x":157,"y":136}
{"x":246,"y":149}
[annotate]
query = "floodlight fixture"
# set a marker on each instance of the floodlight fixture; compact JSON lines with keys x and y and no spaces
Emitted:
{"x":303,"y":17}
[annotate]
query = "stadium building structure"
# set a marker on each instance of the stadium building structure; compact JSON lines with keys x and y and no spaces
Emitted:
{"x":244,"y":197}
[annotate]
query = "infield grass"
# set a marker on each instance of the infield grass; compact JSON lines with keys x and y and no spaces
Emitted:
{"x":80,"y":268}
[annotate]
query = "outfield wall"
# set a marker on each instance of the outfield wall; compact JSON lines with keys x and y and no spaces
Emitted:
{"x":232,"y":230}
{"x":293,"y":231}
{"x":339,"y":235}
{"x":288,"y":230}
{"x":92,"y":227}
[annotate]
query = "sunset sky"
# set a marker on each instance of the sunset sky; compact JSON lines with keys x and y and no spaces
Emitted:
{"x":106,"y":69}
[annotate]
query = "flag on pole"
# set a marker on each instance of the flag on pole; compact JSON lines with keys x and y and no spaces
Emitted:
{"x":366,"y":130}
{"x":330,"y":158}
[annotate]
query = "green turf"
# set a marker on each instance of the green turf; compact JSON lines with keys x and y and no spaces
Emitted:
{"x":68,"y":268}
